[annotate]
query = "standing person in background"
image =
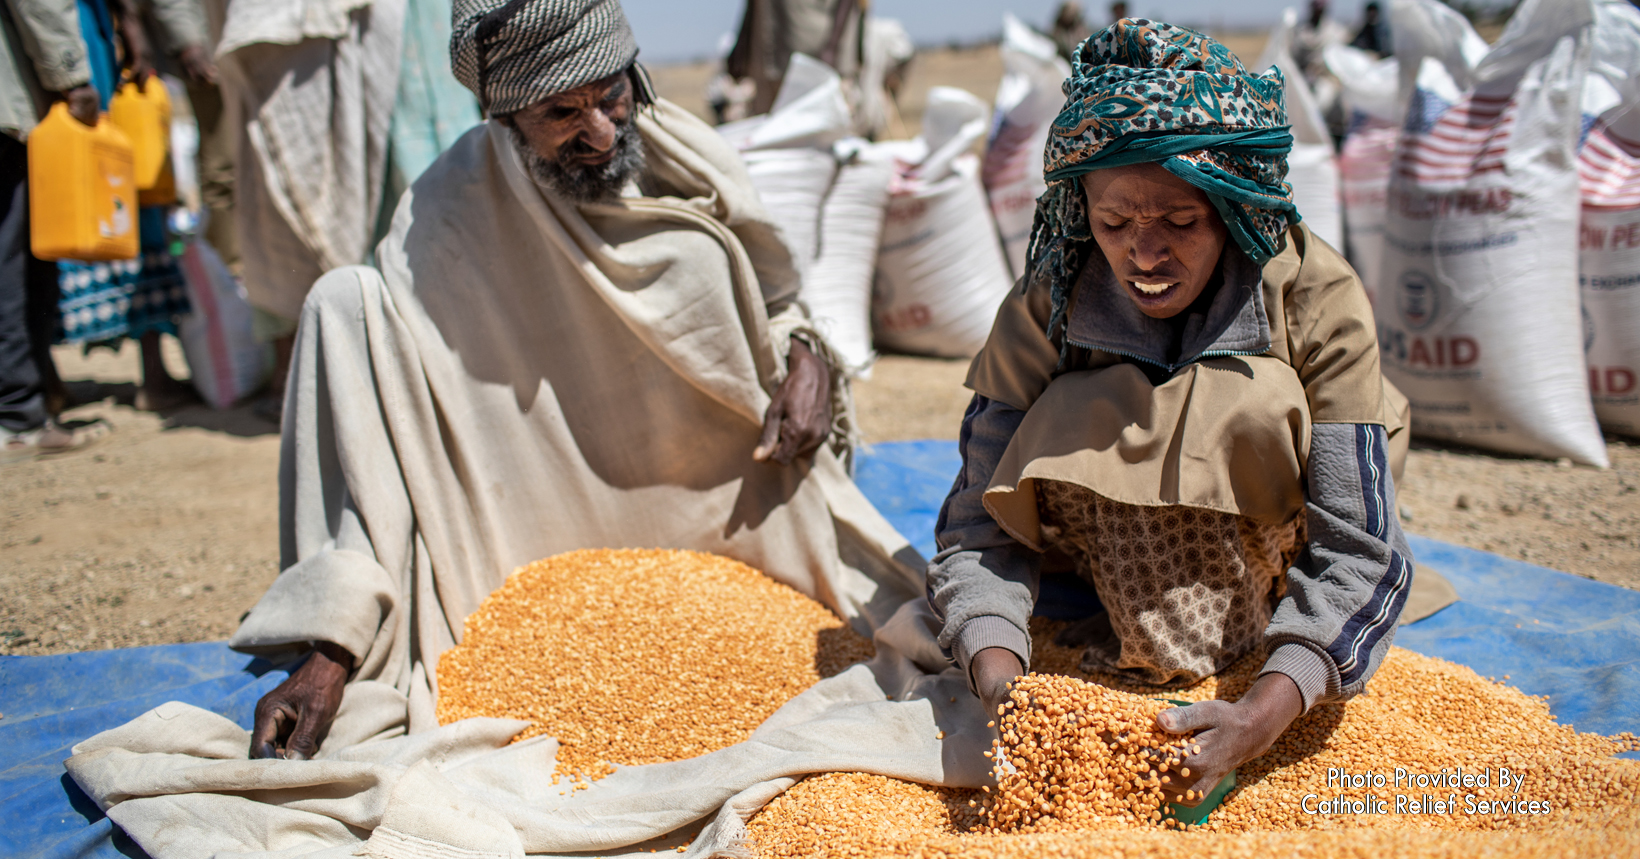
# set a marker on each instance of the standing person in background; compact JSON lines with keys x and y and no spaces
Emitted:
{"x":1312,"y":35}
{"x":831,"y":31}
{"x":1310,"y":38}
{"x":1069,"y":29}
{"x":314,"y":98}
{"x":338,"y":113}
{"x":102,"y":302}
{"x":1374,"y":35}
{"x":52,"y":66}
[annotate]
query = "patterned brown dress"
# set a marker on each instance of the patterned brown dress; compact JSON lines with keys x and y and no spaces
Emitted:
{"x":1188,"y":591}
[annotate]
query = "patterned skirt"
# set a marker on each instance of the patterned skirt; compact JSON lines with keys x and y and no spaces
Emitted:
{"x":1188,"y":591}
{"x":125,"y":298}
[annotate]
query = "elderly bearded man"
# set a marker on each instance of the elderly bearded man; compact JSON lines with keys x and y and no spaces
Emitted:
{"x":584,"y":333}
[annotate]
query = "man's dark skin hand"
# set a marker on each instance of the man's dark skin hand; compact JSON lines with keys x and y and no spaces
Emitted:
{"x":1229,"y":734}
{"x":291,"y":718}
{"x":83,"y":104}
{"x":799,"y":416}
{"x":138,"y":56}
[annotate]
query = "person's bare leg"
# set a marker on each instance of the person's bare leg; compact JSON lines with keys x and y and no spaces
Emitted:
{"x":283,"y":347}
{"x":272,"y":406}
{"x":158,"y":391}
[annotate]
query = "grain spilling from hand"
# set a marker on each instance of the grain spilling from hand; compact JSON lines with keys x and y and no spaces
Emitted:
{"x":640,"y":656}
{"x":1077,"y":755}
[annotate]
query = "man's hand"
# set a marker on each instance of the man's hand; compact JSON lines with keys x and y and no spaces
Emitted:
{"x":1229,"y":734}
{"x":993,"y":669}
{"x":197,"y":65}
{"x":138,"y":56}
{"x":83,"y":104}
{"x":799,"y":417}
{"x":290,"y":719}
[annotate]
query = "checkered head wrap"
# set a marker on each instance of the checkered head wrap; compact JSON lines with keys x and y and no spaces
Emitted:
{"x":513,"y":53}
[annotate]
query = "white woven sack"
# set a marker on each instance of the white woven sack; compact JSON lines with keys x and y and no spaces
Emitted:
{"x":1478,"y":320}
{"x":809,"y":110}
{"x":940,"y":269}
{"x":792,"y":184}
{"x":1368,"y":89}
{"x":1363,"y":173}
{"x":837,"y":289}
{"x":1609,"y":260}
{"x":788,"y":151}
{"x":1311,"y":168}
{"x":1028,"y":99}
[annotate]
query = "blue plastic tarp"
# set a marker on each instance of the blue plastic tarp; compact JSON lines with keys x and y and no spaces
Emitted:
{"x":1569,"y":638}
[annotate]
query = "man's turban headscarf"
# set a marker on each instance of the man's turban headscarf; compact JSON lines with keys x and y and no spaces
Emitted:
{"x":513,"y":53}
{"x":1143,"y":91}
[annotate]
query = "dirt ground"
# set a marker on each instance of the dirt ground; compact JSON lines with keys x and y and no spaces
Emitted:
{"x":167,"y":530}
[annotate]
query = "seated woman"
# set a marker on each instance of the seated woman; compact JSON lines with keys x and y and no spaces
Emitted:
{"x":1184,"y":398}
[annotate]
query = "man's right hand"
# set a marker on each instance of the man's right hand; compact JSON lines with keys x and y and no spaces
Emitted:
{"x":83,"y":104}
{"x":291,"y":718}
{"x":993,"y":669}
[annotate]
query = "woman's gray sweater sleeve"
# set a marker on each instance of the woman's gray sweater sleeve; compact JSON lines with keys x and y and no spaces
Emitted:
{"x":983,"y":583}
{"x":1345,"y":593}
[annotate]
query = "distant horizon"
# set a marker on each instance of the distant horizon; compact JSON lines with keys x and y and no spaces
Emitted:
{"x":674,"y":33}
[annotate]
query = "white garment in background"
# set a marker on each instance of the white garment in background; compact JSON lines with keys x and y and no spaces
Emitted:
{"x":315,"y":82}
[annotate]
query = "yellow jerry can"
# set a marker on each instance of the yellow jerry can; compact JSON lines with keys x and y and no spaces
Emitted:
{"x":82,"y":190}
{"x":144,"y":114}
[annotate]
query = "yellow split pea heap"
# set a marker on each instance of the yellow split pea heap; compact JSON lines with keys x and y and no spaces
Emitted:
{"x":639,"y":657}
{"x":633,"y":657}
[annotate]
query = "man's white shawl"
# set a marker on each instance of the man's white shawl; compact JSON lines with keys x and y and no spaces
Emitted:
{"x":525,"y":377}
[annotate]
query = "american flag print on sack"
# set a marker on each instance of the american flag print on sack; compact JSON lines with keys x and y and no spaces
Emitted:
{"x":1608,"y":170}
{"x":1478,"y":315}
{"x":1450,"y":144}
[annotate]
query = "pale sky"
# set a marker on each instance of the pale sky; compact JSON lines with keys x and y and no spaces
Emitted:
{"x":677,"y":30}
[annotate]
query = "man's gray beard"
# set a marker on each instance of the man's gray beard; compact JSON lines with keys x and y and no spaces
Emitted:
{"x":585,"y":183}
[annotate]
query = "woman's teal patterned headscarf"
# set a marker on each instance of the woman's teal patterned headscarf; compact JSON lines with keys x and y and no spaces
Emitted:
{"x":1143,"y":91}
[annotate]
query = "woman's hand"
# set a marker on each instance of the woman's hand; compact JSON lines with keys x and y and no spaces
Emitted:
{"x":1229,"y":735}
{"x":993,"y":669}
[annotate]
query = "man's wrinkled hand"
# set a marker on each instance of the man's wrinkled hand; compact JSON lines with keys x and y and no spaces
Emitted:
{"x":799,"y":417}
{"x":292,"y":718}
{"x":994,"y":668}
{"x":1228,"y":735}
